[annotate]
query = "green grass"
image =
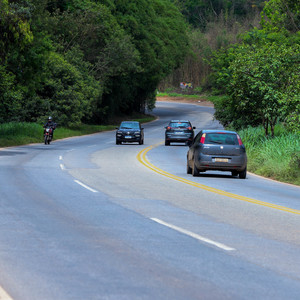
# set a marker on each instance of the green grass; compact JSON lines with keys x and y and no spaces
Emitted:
{"x":277,"y":158}
{"x":15,"y":134}
{"x":172,"y":94}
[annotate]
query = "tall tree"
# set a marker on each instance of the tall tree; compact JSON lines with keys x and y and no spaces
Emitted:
{"x":158,"y":32}
{"x":261,"y":76}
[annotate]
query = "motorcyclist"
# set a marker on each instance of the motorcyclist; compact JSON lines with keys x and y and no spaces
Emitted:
{"x":50,"y":124}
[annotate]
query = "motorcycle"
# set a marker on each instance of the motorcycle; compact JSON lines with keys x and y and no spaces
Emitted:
{"x":48,"y":135}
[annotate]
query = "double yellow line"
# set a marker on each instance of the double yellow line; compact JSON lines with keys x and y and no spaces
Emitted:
{"x":143,"y":160}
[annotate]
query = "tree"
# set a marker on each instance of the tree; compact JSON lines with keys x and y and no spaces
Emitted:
{"x":263,"y":81}
{"x":281,"y":15}
{"x":261,"y":75}
{"x":158,"y":33}
{"x":14,"y":26}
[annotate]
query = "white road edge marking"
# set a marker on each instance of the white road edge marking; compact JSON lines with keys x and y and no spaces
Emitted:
{"x":85,"y":186}
{"x":63,"y":168}
{"x":4,"y":295}
{"x":194,"y":235}
{"x":60,"y":157}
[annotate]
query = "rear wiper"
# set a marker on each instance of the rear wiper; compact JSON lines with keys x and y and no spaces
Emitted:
{"x":215,"y":142}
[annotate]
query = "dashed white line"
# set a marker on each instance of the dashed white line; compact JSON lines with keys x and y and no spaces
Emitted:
{"x":63,"y":168}
{"x":85,"y":186}
{"x":60,"y":157}
{"x":194,"y":235}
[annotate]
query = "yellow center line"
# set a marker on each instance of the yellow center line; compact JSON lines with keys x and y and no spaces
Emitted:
{"x":143,"y":160}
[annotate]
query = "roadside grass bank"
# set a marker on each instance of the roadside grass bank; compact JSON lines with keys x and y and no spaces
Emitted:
{"x":178,"y":95}
{"x":22,"y":133}
{"x":277,"y":158}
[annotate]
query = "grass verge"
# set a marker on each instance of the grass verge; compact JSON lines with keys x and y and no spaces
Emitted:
{"x":277,"y":158}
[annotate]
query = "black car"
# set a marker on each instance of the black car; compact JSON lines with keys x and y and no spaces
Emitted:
{"x":130,"y":132}
{"x":220,"y":150}
{"x":179,"y":131}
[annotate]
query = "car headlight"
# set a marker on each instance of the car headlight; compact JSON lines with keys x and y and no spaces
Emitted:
{"x":137,"y":133}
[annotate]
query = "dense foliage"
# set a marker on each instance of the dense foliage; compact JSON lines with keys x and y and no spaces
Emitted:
{"x":261,"y":75}
{"x":200,"y":13}
{"x":87,"y":60}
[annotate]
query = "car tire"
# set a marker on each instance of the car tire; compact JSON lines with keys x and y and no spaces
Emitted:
{"x":243,"y":174}
{"x":167,"y":143}
{"x":188,"y":168}
{"x":195,"y":171}
{"x":118,"y":142}
{"x":141,"y":142}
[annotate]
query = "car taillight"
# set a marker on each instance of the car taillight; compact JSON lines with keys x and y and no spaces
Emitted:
{"x":202,"y":140}
{"x":240,"y":140}
{"x":169,"y":127}
{"x":189,"y":128}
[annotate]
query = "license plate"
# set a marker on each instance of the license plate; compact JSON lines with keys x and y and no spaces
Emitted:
{"x":221,"y":159}
{"x":128,"y":137}
{"x":179,"y":132}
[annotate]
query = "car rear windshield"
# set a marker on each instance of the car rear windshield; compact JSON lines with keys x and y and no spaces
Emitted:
{"x":180,"y":124}
{"x":221,"y":138}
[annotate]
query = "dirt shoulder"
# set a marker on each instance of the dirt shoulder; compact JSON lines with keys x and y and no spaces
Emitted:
{"x":198,"y":101}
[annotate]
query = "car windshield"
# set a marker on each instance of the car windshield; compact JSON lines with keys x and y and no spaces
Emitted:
{"x":221,"y":138}
{"x":129,"y":125}
{"x":180,"y":124}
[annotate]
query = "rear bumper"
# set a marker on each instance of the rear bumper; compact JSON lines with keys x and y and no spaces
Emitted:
{"x":178,"y":138}
{"x":131,"y":140}
{"x":235,"y":163}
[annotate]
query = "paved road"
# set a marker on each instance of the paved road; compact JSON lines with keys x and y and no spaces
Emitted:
{"x":84,"y":218}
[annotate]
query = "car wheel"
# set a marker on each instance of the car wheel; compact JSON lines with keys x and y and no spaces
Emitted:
{"x":141,"y":142}
{"x":167,"y":143}
{"x":234,"y":173}
{"x":118,"y":142}
{"x":188,"y":168}
{"x":195,"y":171}
{"x":243,"y":174}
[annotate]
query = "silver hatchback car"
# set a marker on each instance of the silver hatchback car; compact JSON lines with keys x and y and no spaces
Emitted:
{"x":220,"y":150}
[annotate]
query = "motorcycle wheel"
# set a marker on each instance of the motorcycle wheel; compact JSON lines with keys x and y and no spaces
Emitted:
{"x":46,"y":140}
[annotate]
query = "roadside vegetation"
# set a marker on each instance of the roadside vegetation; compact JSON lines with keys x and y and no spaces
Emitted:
{"x":275,"y":157}
{"x":85,"y":61}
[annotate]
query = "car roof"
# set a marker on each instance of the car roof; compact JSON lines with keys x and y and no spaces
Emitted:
{"x":179,"y":121}
{"x":217,"y":131}
{"x":130,"y":122}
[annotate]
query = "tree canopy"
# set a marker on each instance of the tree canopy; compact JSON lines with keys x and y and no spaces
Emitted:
{"x":87,"y":60}
{"x":261,"y":76}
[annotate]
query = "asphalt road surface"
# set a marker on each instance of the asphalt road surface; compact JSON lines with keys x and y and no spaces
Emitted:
{"x":84,"y":218}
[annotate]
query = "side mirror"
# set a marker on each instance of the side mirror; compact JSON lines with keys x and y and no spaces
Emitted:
{"x":194,"y":127}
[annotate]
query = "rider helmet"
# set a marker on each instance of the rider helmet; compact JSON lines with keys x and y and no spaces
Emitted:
{"x":50,"y":119}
